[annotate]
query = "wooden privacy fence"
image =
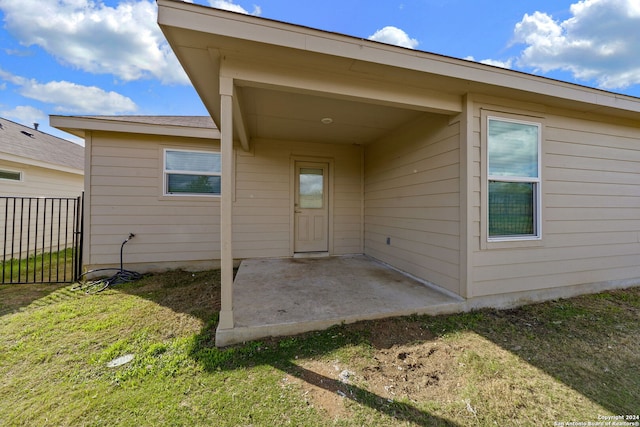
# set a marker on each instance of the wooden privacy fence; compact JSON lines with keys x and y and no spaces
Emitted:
{"x":42,"y":239}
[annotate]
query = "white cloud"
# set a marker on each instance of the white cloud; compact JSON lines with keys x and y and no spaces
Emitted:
{"x":17,"y":52}
{"x":67,"y":97}
{"x":599,"y":42}
{"x":12,"y":78}
{"x":395,"y":36}
{"x":231,"y":6}
{"x":25,"y":114}
{"x":74,"y":98}
{"x":495,"y":62}
{"x":124,"y":40}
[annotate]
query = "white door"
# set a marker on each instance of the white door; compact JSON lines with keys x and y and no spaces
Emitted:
{"x":311,"y":207}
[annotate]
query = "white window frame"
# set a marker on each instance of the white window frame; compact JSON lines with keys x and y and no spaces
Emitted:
{"x":537,"y":181}
{"x":166,"y":173}
{"x":20,"y":174}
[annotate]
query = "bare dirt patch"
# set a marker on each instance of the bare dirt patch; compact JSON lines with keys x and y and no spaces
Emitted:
{"x":416,"y":372}
{"x":407,"y":363}
{"x":322,"y":386}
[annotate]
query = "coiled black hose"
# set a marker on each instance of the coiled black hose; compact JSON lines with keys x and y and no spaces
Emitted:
{"x":100,"y":284}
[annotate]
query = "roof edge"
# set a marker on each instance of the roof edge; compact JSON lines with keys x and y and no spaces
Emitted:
{"x":79,"y":125}
{"x":41,"y":164}
{"x":230,"y":24}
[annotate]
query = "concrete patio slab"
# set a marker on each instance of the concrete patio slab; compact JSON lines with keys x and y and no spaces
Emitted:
{"x":286,"y":296}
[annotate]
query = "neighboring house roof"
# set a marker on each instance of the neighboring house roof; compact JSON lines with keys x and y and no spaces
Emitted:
{"x":188,"y":126}
{"x":23,"y":144}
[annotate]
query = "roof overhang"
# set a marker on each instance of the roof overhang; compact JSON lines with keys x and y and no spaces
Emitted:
{"x":148,"y":125}
{"x":285,"y":78}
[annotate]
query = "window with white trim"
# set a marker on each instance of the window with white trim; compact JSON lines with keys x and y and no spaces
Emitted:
{"x":191,"y":172}
{"x":513,"y":159}
{"x":10,"y":175}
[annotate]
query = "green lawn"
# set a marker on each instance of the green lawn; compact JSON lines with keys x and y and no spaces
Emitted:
{"x":563,"y":361}
{"x":44,"y":267}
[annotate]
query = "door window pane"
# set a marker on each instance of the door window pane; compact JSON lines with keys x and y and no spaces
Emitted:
{"x":311,"y":187}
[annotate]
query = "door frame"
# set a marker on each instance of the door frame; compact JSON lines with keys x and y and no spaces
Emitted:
{"x":292,"y":197}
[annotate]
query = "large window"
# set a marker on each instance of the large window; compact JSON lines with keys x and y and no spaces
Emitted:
{"x":191,"y":172}
{"x":514,"y":179}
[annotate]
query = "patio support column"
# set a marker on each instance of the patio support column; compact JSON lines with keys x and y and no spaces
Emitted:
{"x":466,"y":196}
{"x":226,"y":203}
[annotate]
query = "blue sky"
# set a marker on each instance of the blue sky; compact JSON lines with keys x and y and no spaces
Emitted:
{"x":89,"y":57}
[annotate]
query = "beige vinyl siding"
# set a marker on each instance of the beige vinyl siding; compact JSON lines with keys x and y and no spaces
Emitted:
{"x":412,"y":198}
{"x":126,"y":196}
{"x":263,"y":203}
{"x":40,"y":182}
{"x":348,"y":201}
{"x":590,"y":211}
{"x":172,"y":231}
{"x":261,"y":207}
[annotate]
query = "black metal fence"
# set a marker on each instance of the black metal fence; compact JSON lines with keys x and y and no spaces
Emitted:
{"x":42,"y":239}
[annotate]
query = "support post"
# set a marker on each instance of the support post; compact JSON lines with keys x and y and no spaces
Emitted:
{"x":226,"y":203}
{"x":466,"y":197}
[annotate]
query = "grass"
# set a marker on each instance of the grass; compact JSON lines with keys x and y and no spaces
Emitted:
{"x":562,"y":361}
{"x":43,"y":267}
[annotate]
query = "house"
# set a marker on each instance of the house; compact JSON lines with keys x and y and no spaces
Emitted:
{"x":36,"y":164}
{"x":493,"y":185}
{"x":126,"y":192}
{"x":33,"y":166}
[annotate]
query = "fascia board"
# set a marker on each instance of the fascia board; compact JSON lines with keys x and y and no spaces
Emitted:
{"x":83,"y":124}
